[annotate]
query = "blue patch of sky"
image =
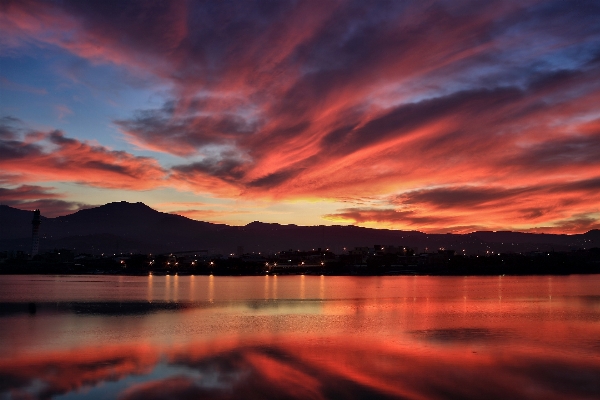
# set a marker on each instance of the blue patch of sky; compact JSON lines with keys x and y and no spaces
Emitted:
{"x":514,"y":66}
{"x":19,"y":74}
{"x":82,"y":98}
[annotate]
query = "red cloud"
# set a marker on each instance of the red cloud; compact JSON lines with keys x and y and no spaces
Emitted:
{"x":27,"y":192}
{"x":305,"y":100}
{"x":66,"y":159}
{"x":422,"y":362}
{"x":32,"y":197}
{"x":550,"y":207}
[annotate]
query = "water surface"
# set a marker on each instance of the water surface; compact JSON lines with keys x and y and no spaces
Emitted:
{"x":308,"y":337}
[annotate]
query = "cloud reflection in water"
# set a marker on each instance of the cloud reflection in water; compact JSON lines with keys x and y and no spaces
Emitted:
{"x":255,"y":337}
{"x":305,"y":367}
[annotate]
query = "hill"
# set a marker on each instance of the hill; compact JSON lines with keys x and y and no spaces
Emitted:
{"x":135,"y":227}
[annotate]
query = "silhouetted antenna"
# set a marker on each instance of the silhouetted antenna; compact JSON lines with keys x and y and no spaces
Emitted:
{"x":35,"y":233}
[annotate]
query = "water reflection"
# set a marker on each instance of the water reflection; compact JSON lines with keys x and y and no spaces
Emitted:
{"x":211,"y":288}
{"x":299,"y":337}
{"x":150,"y":291}
{"x":302,"y":367}
{"x":167,"y":288}
{"x":175,"y":287}
{"x":266,"y":287}
{"x":464,"y":335}
{"x":192,"y":288}
{"x":322,"y":287}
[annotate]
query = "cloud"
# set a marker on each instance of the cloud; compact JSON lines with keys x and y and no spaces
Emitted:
{"x":391,"y":217}
{"x":273,"y":179}
{"x":54,"y":157}
{"x":26,"y":192}
{"x":460,"y":197}
{"x":30,"y":197}
{"x":62,"y":111}
{"x":575,"y":224}
{"x":548,"y":207}
{"x":486,"y":106}
{"x":225,"y":166}
{"x":162,"y":130}
{"x":559,"y":154}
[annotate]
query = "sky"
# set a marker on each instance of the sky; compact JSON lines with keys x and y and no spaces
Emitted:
{"x":437,"y":116}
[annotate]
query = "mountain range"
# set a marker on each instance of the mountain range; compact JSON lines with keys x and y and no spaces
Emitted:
{"x":123,"y":227}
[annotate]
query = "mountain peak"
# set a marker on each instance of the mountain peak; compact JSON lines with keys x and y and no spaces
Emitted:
{"x":120,"y":210}
{"x":124,"y":204}
{"x":258,"y":224}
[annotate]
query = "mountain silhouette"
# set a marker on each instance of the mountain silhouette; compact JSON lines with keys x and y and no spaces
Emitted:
{"x":135,"y":227}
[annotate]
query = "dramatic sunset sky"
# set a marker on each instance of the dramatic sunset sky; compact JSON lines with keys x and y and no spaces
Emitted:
{"x":439,"y":116}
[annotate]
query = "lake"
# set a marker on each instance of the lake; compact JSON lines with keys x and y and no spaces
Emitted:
{"x":304,"y":337}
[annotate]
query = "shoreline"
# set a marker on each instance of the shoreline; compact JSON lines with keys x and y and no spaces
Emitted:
{"x":297,"y":274}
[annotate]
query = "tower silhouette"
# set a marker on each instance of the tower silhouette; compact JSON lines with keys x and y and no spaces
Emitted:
{"x":35,"y":233}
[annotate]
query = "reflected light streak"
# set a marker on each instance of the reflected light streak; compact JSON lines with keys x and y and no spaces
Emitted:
{"x":211,"y":288}
{"x":150,"y":289}
{"x":266,"y":287}
{"x":322,"y":287}
{"x":175,"y":287}
{"x":192,"y":288}
{"x":120,"y":287}
{"x":167,"y":288}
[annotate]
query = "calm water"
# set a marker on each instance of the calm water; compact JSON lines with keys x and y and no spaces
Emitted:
{"x":306,"y":337}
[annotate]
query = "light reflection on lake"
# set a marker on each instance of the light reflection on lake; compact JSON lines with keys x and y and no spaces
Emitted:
{"x":302,"y":337}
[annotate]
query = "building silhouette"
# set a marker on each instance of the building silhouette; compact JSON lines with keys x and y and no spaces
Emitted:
{"x":35,"y":233}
